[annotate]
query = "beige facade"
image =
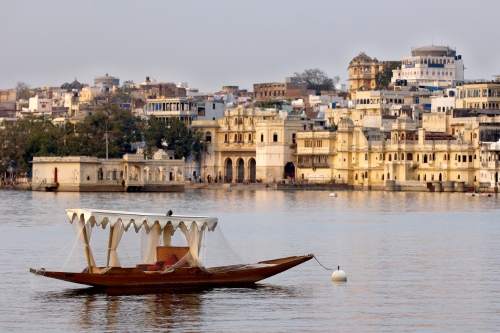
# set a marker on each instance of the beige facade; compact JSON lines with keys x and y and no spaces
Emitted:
{"x":409,"y":156}
{"x":250,"y":145}
{"x":130,"y":173}
{"x":362,"y":72}
{"x":483,"y":95}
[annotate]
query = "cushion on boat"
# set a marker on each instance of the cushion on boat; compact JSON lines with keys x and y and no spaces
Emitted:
{"x":171,"y":260}
{"x":154,"y":268}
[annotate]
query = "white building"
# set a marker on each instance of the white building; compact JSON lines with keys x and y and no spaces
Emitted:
{"x":38,"y":104}
{"x":430,"y":66}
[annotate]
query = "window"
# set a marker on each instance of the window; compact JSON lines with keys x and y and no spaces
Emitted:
{"x":275,"y":137}
{"x":208,"y":137}
{"x":262,"y":138}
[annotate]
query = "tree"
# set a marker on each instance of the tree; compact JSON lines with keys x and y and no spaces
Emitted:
{"x":316,"y":79}
{"x":125,"y":92}
{"x":23,"y":90}
{"x":383,"y":78}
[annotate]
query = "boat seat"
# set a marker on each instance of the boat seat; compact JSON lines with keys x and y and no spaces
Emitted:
{"x":164,"y":253}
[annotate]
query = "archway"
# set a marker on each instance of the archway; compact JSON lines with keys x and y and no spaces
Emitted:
{"x":253,"y":170}
{"x":241,"y":171}
{"x":229,"y":171}
{"x":289,"y":170}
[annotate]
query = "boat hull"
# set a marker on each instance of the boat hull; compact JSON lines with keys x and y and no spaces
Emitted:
{"x":182,"y":277}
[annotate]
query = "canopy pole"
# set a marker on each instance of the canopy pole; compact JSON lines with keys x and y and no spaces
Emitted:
{"x":86,"y":242}
{"x":109,"y":244}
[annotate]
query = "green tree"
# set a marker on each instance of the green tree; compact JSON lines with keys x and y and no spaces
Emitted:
{"x":316,"y":79}
{"x":383,"y":78}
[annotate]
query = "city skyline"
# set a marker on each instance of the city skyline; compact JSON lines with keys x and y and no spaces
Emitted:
{"x":217,"y":43}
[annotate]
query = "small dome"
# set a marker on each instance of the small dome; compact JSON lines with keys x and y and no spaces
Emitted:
{"x":361,"y":57}
{"x":495,"y":145}
{"x":160,"y":155}
{"x":346,"y":124}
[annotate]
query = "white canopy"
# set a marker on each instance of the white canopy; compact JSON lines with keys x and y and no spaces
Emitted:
{"x":193,"y":228}
{"x":105,"y":217}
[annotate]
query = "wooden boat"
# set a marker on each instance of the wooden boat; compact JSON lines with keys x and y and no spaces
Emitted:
{"x":164,"y":265}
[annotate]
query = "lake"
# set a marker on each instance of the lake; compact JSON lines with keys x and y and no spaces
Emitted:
{"x":414,"y":261}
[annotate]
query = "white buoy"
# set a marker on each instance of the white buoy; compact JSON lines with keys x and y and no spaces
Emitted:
{"x":333,"y":194}
{"x":339,"y":275}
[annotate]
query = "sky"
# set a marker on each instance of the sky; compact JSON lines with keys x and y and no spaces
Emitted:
{"x":215,"y":43}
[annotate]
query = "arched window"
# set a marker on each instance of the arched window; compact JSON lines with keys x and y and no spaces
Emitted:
{"x":390,"y":157}
{"x":262,"y":138}
{"x":208,"y":137}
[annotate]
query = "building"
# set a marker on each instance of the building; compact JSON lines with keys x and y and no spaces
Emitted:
{"x":250,"y":145}
{"x":271,"y":91}
{"x":132,"y":173}
{"x":185,"y":109}
{"x":40,"y":105}
{"x":479,"y":95}
{"x":362,"y":72}
{"x":430,"y":66}
{"x":106,"y":82}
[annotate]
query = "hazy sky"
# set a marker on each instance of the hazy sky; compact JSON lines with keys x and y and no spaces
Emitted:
{"x":210,"y":44}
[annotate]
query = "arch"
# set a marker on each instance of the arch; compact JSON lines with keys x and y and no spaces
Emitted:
{"x":228,"y":170}
{"x":241,"y":170}
{"x":409,"y":157}
{"x":289,"y":170}
{"x":252,"y":167}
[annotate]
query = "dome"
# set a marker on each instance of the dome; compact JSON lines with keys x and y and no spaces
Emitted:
{"x":495,"y":145}
{"x":160,"y":155}
{"x":362,"y":58}
{"x":346,"y":124}
{"x":433,"y":51}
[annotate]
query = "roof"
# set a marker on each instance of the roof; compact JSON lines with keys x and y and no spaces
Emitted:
{"x":111,"y":217}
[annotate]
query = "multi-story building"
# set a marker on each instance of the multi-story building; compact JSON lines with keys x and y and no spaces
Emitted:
{"x":363,"y":71}
{"x":479,"y":95}
{"x":250,"y":145}
{"x":185,"y":109}
{"x":106,"y":82}
{"x":464,"y":154}
{"x":430,"y":66}
{"x":279,"y":90}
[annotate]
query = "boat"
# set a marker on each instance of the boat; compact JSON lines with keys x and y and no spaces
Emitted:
{"x":163,"y":264}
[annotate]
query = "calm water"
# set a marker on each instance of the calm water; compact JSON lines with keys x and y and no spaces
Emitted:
{"x":415,"y":262}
